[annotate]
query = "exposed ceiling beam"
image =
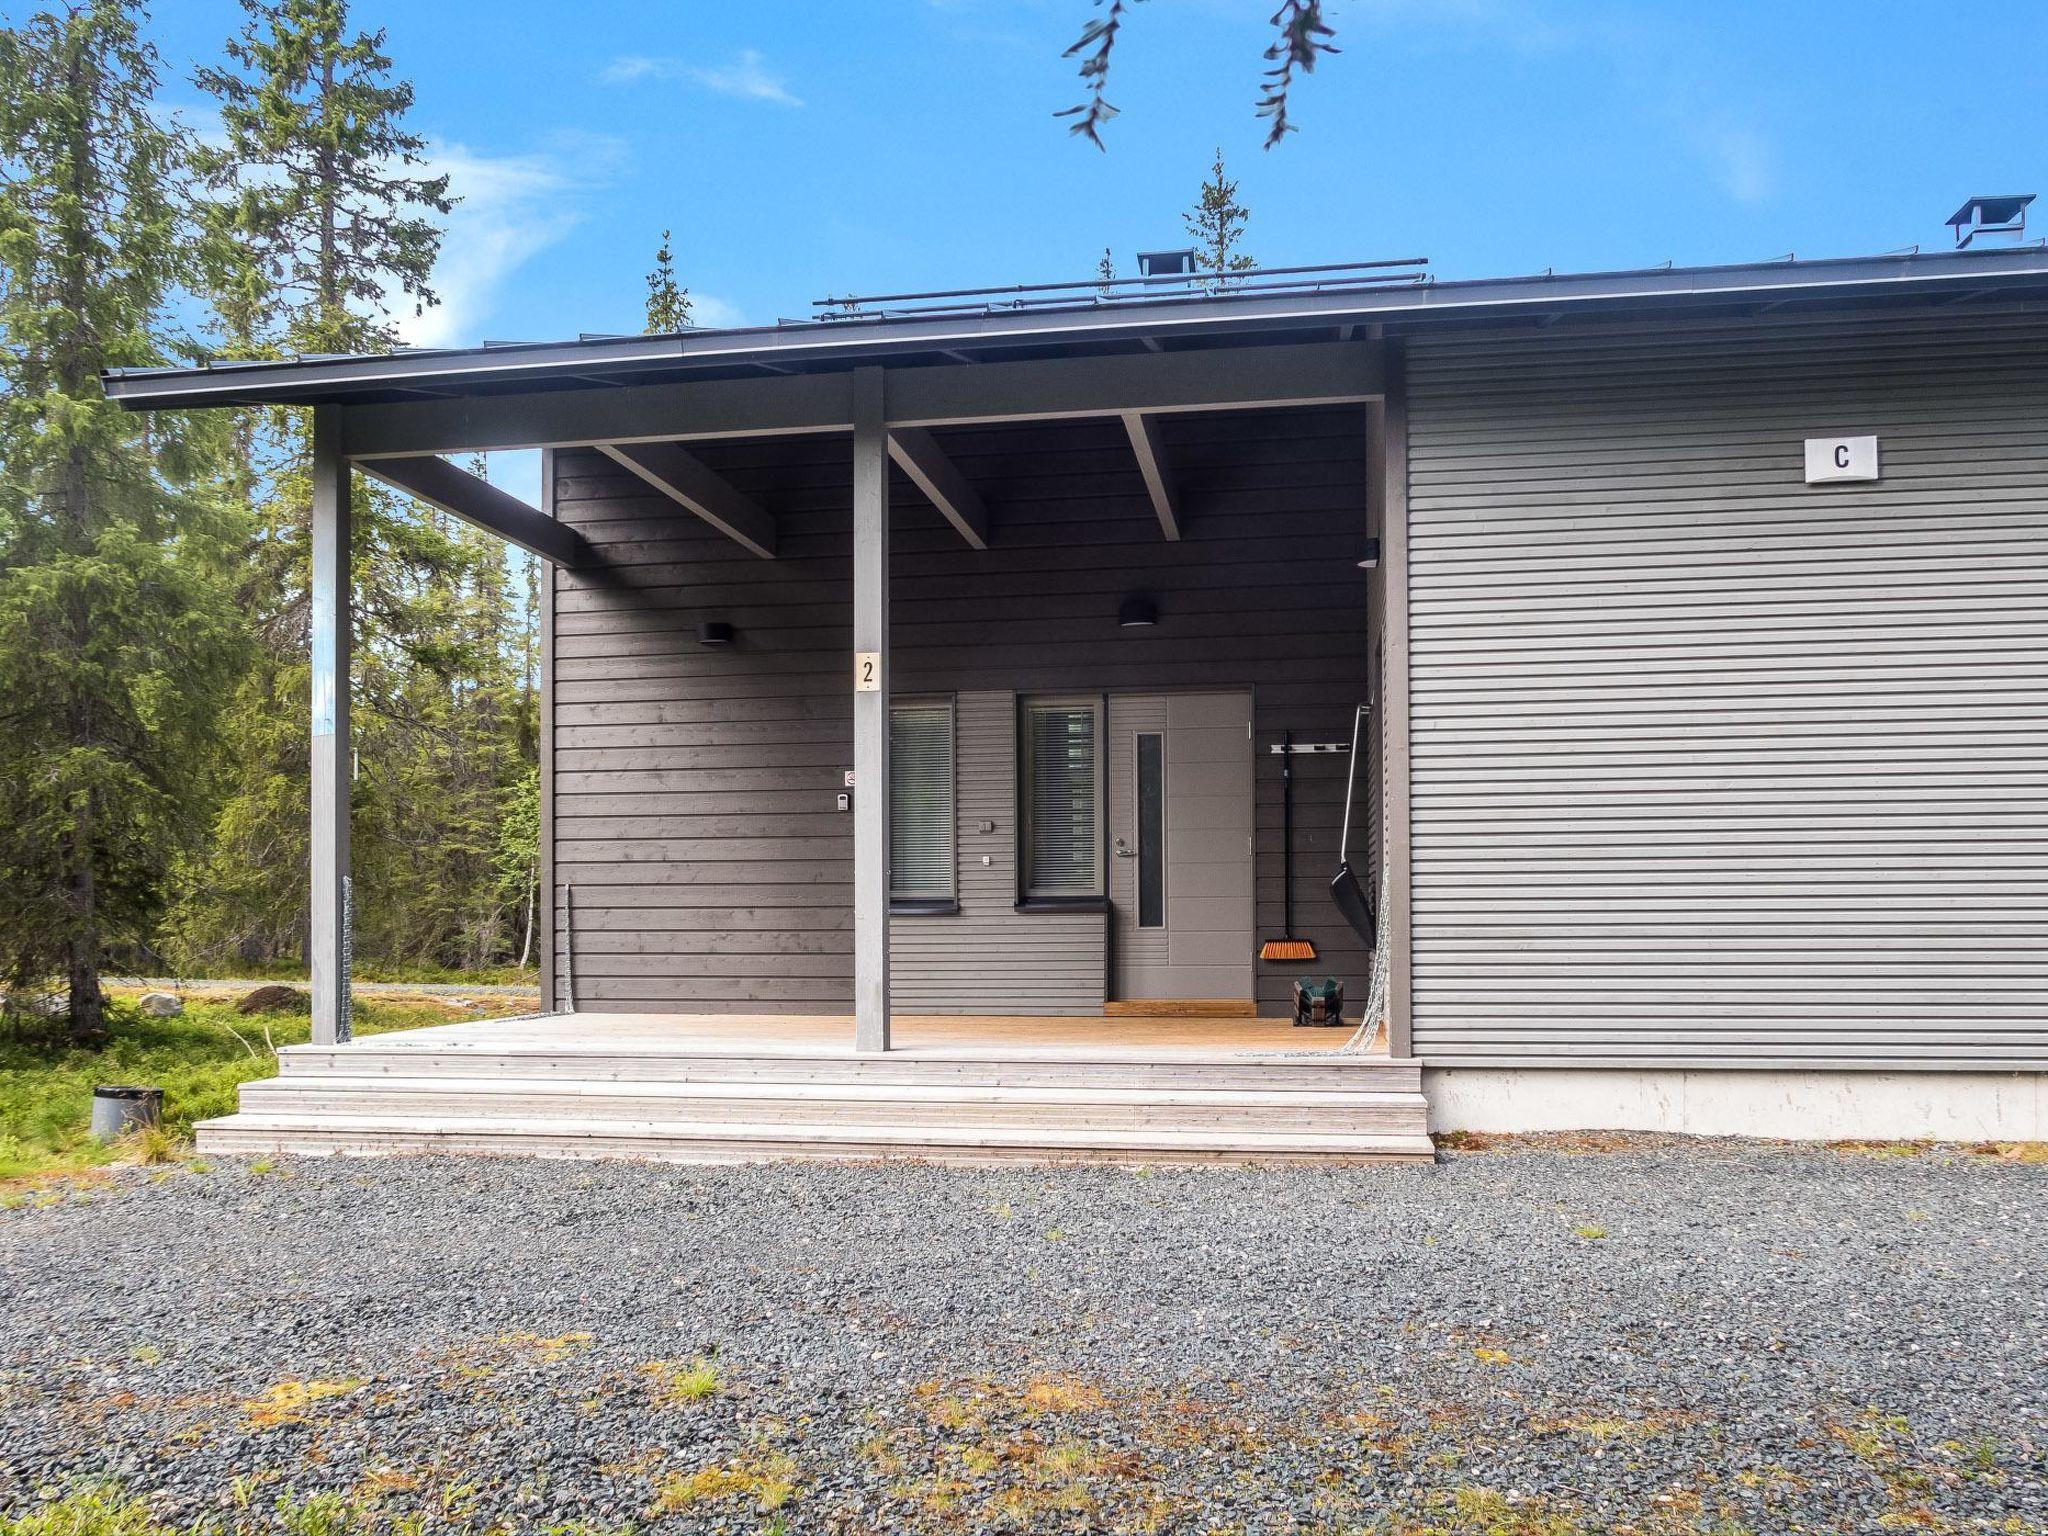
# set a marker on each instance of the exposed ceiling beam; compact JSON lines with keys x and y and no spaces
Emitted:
{"x":685,"y":479}
{"x":1157,"y":470}
{"x":1210,"y":379}
{"x":461,"y":494}
{"x":919,"y":457}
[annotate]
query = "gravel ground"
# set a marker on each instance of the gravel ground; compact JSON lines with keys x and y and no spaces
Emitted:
{"x":1682,"y":1338}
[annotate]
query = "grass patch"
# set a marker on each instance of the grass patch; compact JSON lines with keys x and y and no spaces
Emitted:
{"x":384,"y":1505}
{"x":550,"y":1350}
{"x":293,"y":1402}
{"x":89,"y":1512}
{"x":677,"y":1383}
{"x":200,"y":1059}
{"x":1592,"y":1232}
{"x":765,"y":1482}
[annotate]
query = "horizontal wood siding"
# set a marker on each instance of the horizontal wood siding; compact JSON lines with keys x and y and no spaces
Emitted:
{"x":1710,"y":766}
{"x":694,"y":788}
{"x":988,"y":957}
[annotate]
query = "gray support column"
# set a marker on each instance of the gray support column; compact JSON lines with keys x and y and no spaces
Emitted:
{"x":328,"y":935}
{"x":1395,"y":921}
{"x":545,"y":896}
{"x":870,"y":713}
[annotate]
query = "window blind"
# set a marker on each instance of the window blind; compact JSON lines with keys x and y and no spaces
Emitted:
{"x":921,"y":801}
{"x":1062,"y":854}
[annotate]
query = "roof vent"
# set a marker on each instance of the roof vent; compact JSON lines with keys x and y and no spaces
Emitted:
{"x":2005,"y":215}
{"x":1167,"y":263}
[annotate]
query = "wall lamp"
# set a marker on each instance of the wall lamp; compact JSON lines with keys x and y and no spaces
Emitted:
{"x":1137,"y":612}
{"x":1370,"y":561}
{"x":714,"y":633}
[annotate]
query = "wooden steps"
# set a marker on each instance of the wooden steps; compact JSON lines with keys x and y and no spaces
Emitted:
{"x":414,"y":1092}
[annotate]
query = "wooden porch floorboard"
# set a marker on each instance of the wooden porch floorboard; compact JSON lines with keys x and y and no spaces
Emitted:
{"x":1121,"y":1038}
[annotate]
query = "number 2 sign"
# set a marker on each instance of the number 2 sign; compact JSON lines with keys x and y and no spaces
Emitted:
{"x":867,"y":671}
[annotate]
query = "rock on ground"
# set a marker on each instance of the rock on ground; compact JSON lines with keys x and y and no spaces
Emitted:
{"x":1671,"y":1339}
{"x":161,"y":1005}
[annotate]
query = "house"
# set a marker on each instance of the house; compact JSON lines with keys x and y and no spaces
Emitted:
{"x":950,"y":695}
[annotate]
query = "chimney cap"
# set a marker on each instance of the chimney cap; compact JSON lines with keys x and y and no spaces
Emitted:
{"x":1180,"y":263}
{"x":2001,"y":214}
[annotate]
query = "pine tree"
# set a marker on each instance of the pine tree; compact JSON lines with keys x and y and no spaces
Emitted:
{"x":1217,"y":222}
{"x":668,"y":303}
{"x":118,"y":634}
{"x":1105,"y":274}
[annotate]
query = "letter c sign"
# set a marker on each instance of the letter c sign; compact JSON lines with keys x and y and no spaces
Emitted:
{"x":1835,"y":460}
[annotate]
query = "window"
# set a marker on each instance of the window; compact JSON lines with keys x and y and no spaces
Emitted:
{"x":1151,"y":830}
{"x":1062,"y":811}
{"x":921,"y":801}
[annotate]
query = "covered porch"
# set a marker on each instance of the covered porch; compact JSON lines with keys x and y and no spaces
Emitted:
{"x":940,"y":717}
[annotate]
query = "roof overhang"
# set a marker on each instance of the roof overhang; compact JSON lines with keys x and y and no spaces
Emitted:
{"x":1180,"y":322}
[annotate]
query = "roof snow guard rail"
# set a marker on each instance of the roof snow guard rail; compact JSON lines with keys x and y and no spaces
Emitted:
{"x":1332,"y":277}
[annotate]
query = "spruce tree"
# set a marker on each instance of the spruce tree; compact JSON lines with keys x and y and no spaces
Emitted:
{"x":118,"y":634}
{"x":1217,"y":222}
{"x":321,"y":218}
{"x":316,"y":173}
{"x":668,"y":302}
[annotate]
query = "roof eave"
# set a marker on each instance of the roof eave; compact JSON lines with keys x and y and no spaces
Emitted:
{"x":847,"y":340}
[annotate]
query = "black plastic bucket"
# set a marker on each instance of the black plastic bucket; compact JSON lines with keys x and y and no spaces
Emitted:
{"x":116,"y":1110}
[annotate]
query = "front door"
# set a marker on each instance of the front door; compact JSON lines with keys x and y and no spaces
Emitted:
{"x":1180,"y":875}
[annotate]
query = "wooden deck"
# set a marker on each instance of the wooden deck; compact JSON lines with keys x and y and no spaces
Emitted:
{"x":1123,"y":1036}
{"x":696,"y":1087}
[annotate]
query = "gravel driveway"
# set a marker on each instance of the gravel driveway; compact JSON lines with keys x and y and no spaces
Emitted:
{"x":1669,"y":1339}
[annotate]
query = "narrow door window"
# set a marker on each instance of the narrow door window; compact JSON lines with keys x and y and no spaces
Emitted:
{"x":1151,"y":830}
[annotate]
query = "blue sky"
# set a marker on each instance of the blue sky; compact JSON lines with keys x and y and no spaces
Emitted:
{"x":802,"y":148}
{"x":799,"y":149}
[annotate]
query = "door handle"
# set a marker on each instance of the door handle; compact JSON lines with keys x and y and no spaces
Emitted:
{"x":1124,"y":850}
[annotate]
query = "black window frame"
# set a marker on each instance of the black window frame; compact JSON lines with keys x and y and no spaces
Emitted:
{"x":1033,"y":894}
{"x":903,"y":901}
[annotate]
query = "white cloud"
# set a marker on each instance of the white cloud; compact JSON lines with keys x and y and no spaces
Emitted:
{"x":1739,"y":158}
{"x":746,"y":76}
{"x":708,"y":309}
{"x":512,"y":207}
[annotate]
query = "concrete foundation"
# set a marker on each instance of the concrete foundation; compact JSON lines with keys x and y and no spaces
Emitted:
{"x":1817,"y":1106}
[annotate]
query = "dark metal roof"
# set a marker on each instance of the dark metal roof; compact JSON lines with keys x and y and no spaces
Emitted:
{"x":1167,"y":322}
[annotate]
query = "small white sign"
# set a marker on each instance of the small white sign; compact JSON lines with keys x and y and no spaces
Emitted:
{"x":1831,"y":460}
{"x":867,"y":671}
{"x":849,"y":778}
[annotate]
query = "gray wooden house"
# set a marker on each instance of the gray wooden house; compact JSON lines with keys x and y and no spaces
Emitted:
{"x":948,"y":700}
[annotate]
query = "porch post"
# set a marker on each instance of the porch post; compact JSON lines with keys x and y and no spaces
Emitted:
{"x":870,"y":713}
{"x":1394,"y":730}
{"x":328,"y":934}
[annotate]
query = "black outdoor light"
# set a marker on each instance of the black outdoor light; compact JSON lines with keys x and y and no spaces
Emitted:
{"x":714,"y":633}
{"x":1370,"y":560}
{"x":1137,"y":612}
